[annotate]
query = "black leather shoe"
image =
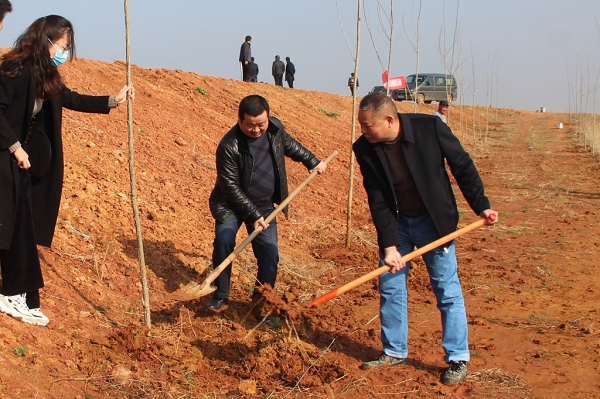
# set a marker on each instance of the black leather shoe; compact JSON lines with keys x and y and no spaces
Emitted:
{"x":217,"y":305}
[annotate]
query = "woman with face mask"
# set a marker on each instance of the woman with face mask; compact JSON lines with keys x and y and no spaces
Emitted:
{"x":32,"y":96}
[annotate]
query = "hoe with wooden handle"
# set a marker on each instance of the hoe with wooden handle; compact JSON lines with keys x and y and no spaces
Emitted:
{"x":193,"y":290}
{"x":340,"y":290}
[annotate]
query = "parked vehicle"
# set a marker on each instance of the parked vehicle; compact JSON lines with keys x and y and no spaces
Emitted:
{"x":380,"y":89}
{"x":427,"y":87}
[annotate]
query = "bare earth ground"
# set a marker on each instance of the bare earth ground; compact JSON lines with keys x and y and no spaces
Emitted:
{"x":530,"y":282}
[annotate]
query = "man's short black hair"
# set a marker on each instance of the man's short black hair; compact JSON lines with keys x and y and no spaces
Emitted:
{"x":252,"y":105}
{"x":379,"y":104}
{"x":248,"y":37}
{"x":5,"y":8}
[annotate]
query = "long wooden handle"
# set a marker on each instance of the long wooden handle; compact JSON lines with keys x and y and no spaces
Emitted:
{"x":219,"y":269}
{"x":379,"y":271}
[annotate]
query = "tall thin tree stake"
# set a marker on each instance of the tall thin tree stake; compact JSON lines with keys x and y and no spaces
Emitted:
{"x":353,"y":135}
{"x":136,"y":216}
{"x":391,"y":43}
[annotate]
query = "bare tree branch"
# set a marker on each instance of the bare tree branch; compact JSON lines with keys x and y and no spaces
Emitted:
{"x":372,"y":39}
{"x":337,"y":8}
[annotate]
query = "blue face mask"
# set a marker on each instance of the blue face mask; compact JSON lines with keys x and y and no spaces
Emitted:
{"x":60,"y":57}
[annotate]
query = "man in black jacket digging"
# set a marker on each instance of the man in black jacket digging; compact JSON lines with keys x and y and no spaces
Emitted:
{"x":403,"y":159}
{"x":251,"y":177}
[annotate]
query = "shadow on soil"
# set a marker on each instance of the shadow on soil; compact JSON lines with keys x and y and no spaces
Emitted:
{"x":161,"y":257}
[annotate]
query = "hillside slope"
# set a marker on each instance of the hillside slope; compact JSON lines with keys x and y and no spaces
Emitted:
{"x":532,"y":319}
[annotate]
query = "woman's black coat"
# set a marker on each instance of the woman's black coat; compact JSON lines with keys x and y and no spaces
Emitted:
{"x":17,"y":97}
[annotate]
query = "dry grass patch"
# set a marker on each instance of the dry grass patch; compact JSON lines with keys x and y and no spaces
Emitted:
{"x":505,"y":384}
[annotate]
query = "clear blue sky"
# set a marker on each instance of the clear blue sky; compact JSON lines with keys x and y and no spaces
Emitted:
{"x":515,"y":53}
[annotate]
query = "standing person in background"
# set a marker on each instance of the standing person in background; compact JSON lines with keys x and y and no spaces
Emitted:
{"x":290,"y":71}
{"x":442,"y":111}
{"x":253,"y":71}
{"x":351,"y":83}
{"x":245,"y":58}
{"x":5,"y":8}
{"x":32,"y":96}
{"x":277,"y":70}
{"x":403,"y":158}
{"x":251,"y":177}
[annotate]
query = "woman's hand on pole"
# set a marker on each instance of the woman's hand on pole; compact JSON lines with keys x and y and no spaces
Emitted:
{"x":121,"y":96}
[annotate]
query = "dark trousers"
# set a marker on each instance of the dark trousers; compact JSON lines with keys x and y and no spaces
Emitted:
{"x":278,"y":79}
{"x":245,"y":72}
{"x":264,"y":247}
{"x":21,"y":270}
{"x":290,"y":84}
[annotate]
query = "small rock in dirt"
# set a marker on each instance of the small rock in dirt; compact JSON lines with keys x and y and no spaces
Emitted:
{"x":247,"y":387}
{"x":118,"y":154}
{"x":83,"y":314}
{"x":121,"y":375}
{"x":289,"y":297}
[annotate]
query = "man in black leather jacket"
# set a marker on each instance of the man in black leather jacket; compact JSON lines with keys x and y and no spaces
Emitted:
{"x":251,"y":177}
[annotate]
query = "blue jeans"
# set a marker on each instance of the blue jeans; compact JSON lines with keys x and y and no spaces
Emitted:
{"x":442,"y":267}
{"x":264,"y":247}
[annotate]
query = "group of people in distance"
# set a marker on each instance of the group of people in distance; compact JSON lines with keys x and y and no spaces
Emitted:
{"x":278,"y":69}
{"x":402,"y":158}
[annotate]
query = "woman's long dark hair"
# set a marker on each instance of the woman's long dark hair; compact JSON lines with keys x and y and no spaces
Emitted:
{"x":31,"y":48}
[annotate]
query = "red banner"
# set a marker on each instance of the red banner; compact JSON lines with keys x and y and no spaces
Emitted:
{"x":397,"y":82}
